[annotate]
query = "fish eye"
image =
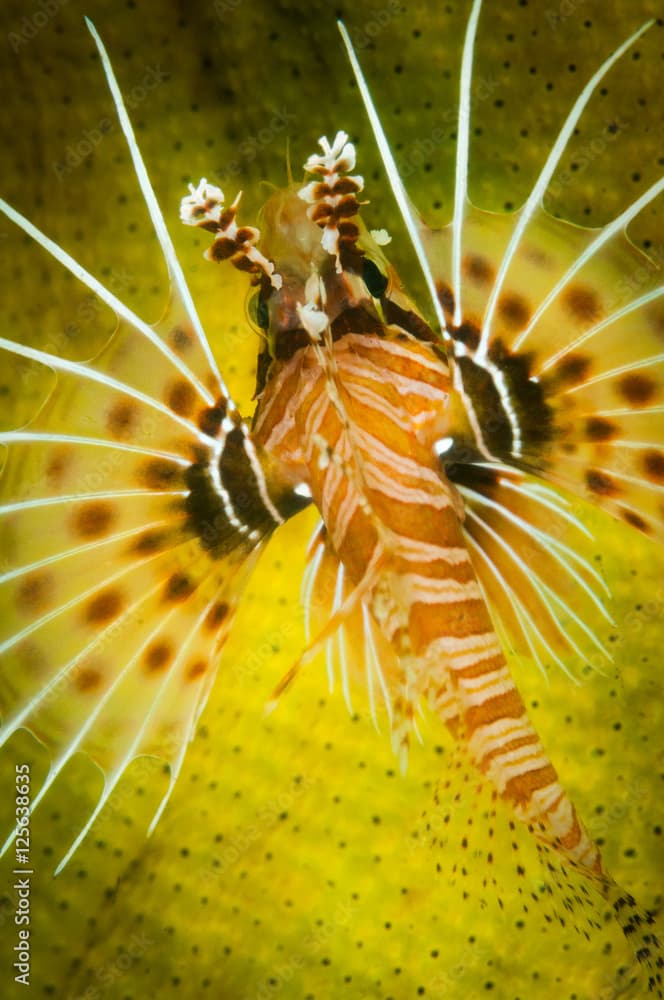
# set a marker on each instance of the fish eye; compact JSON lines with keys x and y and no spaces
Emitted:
{"x":258,"y":311}
{"x":374,"y":279}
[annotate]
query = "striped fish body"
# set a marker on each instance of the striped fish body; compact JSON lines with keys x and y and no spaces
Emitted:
{"x":359,"y":426}
{"x":427,"y":450}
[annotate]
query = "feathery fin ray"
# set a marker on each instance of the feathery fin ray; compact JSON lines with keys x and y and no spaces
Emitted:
{"x":122,"y":531}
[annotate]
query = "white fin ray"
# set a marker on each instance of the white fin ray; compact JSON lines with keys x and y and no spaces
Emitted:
{"x":111,"y":780}
{"x":618,"y":225}
{"x":540,"y":588}
{"x":525,"y":622}
{"x":357,"y":650}
{"x":615,"y":317}
{"x":59,"y":762}
{"x":10,"y":725}
{"x":529,"y":628}
{"x":551,"y":541}
{"x":11,"y":508}
{"x":86,"y":372}
{"x":461,"y":173}
{"x":121,"y":310}
{"x":165,"y":242}
{"x":41,"y":437}
{"x":78,"y":550}
{"x":405,"y":208}
{"x":534,"y":199}
{"x":536,"y":543}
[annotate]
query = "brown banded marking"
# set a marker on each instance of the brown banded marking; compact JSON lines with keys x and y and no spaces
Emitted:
{"x":506,"y":406}
{"x":229,"y":503}
{"x":505,"y":746}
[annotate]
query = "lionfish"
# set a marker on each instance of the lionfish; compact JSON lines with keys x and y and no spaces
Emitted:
{"x":426,"y":447}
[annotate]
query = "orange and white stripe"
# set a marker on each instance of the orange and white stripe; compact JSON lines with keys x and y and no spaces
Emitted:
{"x":375,"y":410}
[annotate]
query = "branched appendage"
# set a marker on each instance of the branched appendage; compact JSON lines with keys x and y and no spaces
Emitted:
{"x":204,"y":207}
{"x":333,"y":198}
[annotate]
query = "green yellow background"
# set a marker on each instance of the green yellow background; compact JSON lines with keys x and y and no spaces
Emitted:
{"x":293,"y":860}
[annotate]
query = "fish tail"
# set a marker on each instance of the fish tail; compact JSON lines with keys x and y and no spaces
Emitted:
{"x":478,"y":700}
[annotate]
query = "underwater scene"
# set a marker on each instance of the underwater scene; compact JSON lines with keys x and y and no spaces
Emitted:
{"x":331,"y":580}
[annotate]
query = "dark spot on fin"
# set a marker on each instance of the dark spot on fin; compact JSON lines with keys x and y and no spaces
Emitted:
{"x":87,"y":679}
{"x":514,"y":311}
{"x":216,"y":615}
{"x":35,"y":592}
{"x":151,"y":541}
{"x":181,"y":398}
{"x":178,"y":587}
{"x":93,"y":519}
{"x":467,"y":333}
{"x":121,"y":419}
{"x":157,"y":656}
{"x":602,"y":484}
{"x":478,"y":269}
{"x":582,"y":303}
{"x":209,"y":419}
{"x":600,"y":429}
{"x":653,"y":464}
{"x":181,"y":338}
{"x":104,"y":607}
{"x":639,"y":390}
{"x":445,"y":297}
{"x":571,"y":370}
{"x":159,"y":474}
{"x":631,"y":517}
{"x":196,"y":670}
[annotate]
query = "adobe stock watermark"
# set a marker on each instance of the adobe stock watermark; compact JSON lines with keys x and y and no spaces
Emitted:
{"x":242,"y":840}
{"x":111,"y":972}
{"x":77,"y":151}
{"x":60,"y":342}
{"x":224,"y":7}
{"x":248,"y":149}
{"x":556,"y":16}
{"x":30,"y":25}
{"x":315,"y":941}
{"x":422,"y":148}
{"x":585,"y":156}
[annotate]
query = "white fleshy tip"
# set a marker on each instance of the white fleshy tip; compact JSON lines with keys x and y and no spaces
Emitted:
{"x":204,"y":203}
{"x":338,"y":157}
{"x":312,"y":319}
{"x":442,"y":446}
{"x":381,"y":237}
